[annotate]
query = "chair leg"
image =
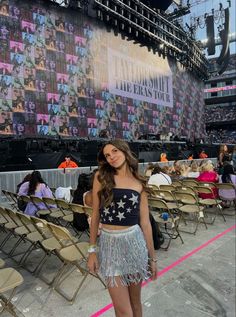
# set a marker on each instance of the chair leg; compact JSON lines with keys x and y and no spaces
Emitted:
{"x":7,"y":305}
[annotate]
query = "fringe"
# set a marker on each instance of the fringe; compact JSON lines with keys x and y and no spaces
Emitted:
{"x":123,"y":254}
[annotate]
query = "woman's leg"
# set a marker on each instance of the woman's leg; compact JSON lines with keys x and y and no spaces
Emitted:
{"x":135,"y":299}
{"x":121,"y":299}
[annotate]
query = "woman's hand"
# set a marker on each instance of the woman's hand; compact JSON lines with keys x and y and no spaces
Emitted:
{"x":92,"y":263}
{"x":154,"y":270}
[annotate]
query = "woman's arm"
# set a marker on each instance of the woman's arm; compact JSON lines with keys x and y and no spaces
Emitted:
{"x":147,"y":232}
{"x":23,"y":190}
{"x":92,"y":260}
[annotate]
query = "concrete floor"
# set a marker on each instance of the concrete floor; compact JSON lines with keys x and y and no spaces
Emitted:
{"x":196,"y":279}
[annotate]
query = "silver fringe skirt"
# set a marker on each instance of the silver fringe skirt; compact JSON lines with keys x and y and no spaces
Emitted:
{"x":123,"y":253}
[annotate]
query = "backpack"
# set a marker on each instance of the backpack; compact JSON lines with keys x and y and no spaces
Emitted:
{"x":158,"y":238}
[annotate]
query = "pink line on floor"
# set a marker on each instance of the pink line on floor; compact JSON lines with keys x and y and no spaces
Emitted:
{"x":171,"y":266}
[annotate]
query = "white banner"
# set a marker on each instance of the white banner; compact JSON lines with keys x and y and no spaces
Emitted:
{"x":134,"y":79}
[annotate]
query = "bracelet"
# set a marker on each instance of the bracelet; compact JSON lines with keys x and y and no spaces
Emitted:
{"x":153,"y":260}
{"x":92,"y":249}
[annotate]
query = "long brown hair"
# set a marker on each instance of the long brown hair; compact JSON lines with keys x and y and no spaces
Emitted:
{"x":107,"y":172}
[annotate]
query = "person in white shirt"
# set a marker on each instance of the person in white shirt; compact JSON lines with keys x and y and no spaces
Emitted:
{"x":158,"y":177}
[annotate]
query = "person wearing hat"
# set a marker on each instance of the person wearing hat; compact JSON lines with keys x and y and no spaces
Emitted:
{"x":68,"y":163}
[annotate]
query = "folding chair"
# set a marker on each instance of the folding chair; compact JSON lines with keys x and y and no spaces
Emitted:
{"x":74,"y":254}
{"x":169,"y":198}
{"x":79,"y":209}
{"x":170,"y":224}
{"x":227,"y":193}
{"x":186,"y":189}
{"x":50,"y":246}
{"x":171,"y":188}
{"x":190,"y":206}
{"x":176,"y":183}
{"x":55,"y":212}
{"x":12,"y":200}
{"x":16,"y":228}
{"x":65,"y":209}
{"x":10,"y":279}
{"x":210,"y":202}
{"x":36,"y":201}
{"x":7,"y":225}
{"x":34,"y":237}
{"x":189,"y":182}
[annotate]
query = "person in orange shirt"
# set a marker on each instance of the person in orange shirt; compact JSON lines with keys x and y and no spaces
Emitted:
{"x":190,"y":157}
{"x":203,"y":155}
{"x":163,"y":157}
{"x":68,"y":163}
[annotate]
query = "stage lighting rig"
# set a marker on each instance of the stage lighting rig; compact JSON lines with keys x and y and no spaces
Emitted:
{"x":148,"y":27}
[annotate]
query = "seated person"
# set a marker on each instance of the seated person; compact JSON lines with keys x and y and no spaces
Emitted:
{"x":163,"y":157}
{"x":20,"y":203}
{"x":203,"y":155}
{"x":208,"y":175}
{"x":158,"y":177}
{"x":149,"y":169}
{"x":80,"y":221}
{"x":228,"y":176}
{"x":37,"y":187}
{"x":68,"y":163}
{"x":194,"y":170}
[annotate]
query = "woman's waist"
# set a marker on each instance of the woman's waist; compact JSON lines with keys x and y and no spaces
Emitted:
{"x":114,"y":227}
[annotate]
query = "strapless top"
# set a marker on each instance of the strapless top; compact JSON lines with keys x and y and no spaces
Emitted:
{"x":123,"y":210}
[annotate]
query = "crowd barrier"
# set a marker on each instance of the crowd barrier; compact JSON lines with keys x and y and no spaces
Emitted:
{"x":61,"y":177}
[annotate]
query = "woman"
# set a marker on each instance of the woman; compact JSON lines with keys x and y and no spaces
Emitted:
{"x":158,"y":177}
{"x":194,"y":170}
{"x":224,"y":155}
{"x":37,"y":187}
{"x":80,"y":221}
{"x":120,"y":203}
{"x":228,"y":176}
{"x":208,"y":175}
{"x":163,"y":157}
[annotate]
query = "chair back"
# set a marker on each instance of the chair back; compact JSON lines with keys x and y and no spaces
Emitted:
{"x":171,"y":188}
{"x":14,"y":217}
{"x":25,"y":198}
{"x":157,"y":203}
{"x":226,"y":186}
{"x":186,"y":198}
{"x":77,"y":208}
{"x":176,"y":183}
{"x":26,"y":221}
{"x":186,"y":189}
{"x":88,"y":210}
{"x":203,"y":190}
{"x":62,"y":235}
{"x":189,"y":182}
{"x":41,"y":226}
{"x":165,"y":194}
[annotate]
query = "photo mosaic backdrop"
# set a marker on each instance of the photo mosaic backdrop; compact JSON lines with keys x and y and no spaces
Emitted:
{"x":57,"y":78}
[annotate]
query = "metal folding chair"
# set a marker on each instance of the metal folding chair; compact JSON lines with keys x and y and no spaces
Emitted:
{"x":10,"y":279}
{"x":72,"y":253}
{"x":158,"y":206}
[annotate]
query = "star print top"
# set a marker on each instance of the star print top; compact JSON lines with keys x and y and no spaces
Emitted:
{"x":124,"y":210}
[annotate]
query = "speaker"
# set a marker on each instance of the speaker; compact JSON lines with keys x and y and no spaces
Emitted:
{"x":149,"y":156}
{"x":210,"y":35}
{"x":18,"y":148}
{"x":224,"y":35}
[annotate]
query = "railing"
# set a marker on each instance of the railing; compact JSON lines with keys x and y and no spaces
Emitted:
{"x":60,"y":177}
